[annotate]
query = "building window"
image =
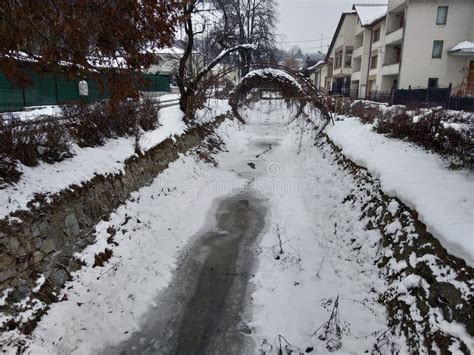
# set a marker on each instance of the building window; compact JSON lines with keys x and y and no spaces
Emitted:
{"x":373,"y":62}
{"x":348,"y":58}
{"x":376,"y":35}
{"x":338,"y":59}
{"x":437,"y":49}
{"x":442,"y":15}
{"x":432,"y":83}
{"x":330,"y":68}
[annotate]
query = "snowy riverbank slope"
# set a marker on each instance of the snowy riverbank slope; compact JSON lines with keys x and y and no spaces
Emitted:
{"x":443,"y":198}
{"x":86,"y":163}
{"x":293,"y":288}
{"x":317,"y":260}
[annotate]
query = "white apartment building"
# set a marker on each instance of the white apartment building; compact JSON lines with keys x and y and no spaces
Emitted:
{"x":402,"y":44}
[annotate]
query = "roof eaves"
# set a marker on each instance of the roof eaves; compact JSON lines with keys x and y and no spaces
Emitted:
{"x":374,"y":22}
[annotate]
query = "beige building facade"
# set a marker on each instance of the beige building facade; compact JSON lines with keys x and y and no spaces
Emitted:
{"x":402,"y":44}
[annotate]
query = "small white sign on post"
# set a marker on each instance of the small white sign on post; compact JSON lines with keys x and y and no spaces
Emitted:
{"x":83,"y":88}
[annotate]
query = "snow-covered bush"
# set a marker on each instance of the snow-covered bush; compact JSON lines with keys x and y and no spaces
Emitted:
{"x":432,"y":129}
{"x":290,"y":85}
{"x":365,"y":111}
{"x":443,"y":131}
{"x":94,"y":124}
{"x":29,"y":143}
{"x":50,"y":138}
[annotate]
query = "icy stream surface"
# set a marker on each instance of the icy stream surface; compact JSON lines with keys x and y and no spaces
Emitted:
{"x":201,"y":311}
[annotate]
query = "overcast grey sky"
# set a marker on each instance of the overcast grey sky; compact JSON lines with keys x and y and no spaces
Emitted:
{"x":307,"y":20}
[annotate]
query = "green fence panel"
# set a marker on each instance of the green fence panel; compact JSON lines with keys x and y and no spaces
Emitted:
{"x":11,"y":98}
{"x":53,"y":89}
{"x":155,"y":82}
{"x":68,"y":90}
{"x":43,"y":90}
{"x":96,"y":92}
{"x":162,"y":83}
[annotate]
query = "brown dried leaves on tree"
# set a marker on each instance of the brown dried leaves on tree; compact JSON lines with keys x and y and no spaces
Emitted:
{"x":103,"y":40}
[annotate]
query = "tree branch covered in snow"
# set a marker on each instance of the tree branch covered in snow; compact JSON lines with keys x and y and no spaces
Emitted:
{"x":222,"y":55}
{"x":292,"y":85}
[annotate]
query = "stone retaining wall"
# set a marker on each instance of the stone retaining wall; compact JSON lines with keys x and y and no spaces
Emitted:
{"x":49,"y":234}
{"x":442,"y":289}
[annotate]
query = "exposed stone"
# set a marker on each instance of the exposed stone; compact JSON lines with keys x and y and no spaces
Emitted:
{"x":35,"y":231}
{"x":20,"y":293}
{"x":57,"y":216}
{"x":72,"y":225}
{"x":6,"y":260}
{"x":14,"y":245}
{"x":37,"y":242}
{"x":37,"y":257}
{"x":59,"y":277}
{"x":42,"y":227}
{"x":6,"y":274}
{"x":48,"y":246}
{"x":55,"y":231}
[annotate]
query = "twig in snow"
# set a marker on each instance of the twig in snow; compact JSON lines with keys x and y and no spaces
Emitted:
{"x":384,"y":343}
{"x":278,"y":234}
{"x":280,"y":346}
{"x":331,"y":331}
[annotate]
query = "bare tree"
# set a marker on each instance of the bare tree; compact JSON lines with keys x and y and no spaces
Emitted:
{"x":191,"y":82}
{"x":246,"y":21}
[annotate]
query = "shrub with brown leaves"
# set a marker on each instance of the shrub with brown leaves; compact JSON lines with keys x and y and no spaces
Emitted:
{"x":442,"y":131}
{"x":365,"y":111}
{"x":49,"y":139}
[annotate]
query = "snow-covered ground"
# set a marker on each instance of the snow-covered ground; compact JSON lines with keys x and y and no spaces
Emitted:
{"x":443,"y":198}
{"x":85,"y":164}
{"x":33,"y":112}
{"x":314,"y":253}
{"x":296,"y":290}
{"x":88,"y":162}
{"x":293,"y":292}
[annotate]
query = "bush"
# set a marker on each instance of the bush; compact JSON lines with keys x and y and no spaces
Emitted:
{"x":445,"y":132}
{"x":49,"y":139}
{"x":365,"y":111}
{"x":96,"y":123}
{"x":148,"y":115}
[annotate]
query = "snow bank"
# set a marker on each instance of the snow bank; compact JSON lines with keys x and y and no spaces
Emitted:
{"x":444,"y":199}
{"x":35,"y":112}
{"x":86,"y":163}
{"x":104,"y":306}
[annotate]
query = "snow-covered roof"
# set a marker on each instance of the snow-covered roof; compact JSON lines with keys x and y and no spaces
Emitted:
{"x":369,"y":13}
{"x":316,"y":66}
{"x":463,"y":48}
{"x":175,"y":50}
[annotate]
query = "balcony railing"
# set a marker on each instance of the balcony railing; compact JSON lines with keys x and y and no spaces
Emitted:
{"x":390,"y":69}
{"x":358,"y":51}
{"x":394,"y":36}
